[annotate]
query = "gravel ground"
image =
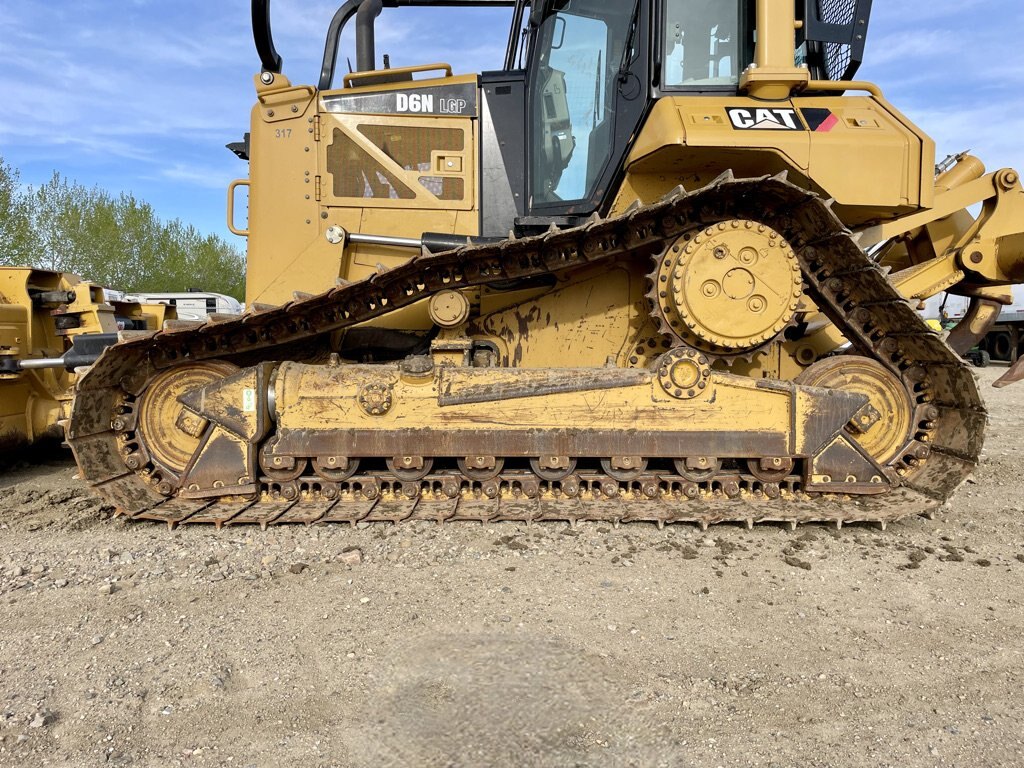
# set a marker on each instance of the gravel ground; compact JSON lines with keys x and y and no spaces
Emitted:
{"x":506,"y":645}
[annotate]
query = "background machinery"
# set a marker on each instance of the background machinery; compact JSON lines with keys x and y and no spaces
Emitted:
{"x":1004,"y":341}
{"x":50,"y":324}
{"x":662,"y":266}
{"x":192,"y":304}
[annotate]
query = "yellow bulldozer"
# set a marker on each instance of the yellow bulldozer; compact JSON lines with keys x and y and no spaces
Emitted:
{"x":662,"y":266}
{"x":52,"y":323}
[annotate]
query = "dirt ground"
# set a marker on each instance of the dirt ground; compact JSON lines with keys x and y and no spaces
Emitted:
{"x":506,"y":645}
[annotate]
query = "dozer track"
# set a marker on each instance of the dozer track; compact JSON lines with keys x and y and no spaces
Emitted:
{"x":948,"y":416}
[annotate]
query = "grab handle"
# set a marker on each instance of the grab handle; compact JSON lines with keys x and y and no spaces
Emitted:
{"x":232,"y":188}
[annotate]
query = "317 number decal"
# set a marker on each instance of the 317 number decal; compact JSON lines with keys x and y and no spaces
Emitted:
{"x":283,"y":133}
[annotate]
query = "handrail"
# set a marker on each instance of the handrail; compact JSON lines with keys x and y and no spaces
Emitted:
{"x":352,"y":77}
{"x":844,"y":85}
{"x":341,"y":17}
{"x":264,"y":38}
{"x":234,"y":185}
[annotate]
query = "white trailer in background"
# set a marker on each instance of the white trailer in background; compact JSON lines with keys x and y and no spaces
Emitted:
{"x":192,"y":305}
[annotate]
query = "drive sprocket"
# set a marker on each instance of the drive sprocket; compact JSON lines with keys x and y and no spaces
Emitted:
{"x":728,"y":290}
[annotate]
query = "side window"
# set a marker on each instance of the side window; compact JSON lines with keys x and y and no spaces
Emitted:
{"x":574,"y":85}
{"x":702,"y":43}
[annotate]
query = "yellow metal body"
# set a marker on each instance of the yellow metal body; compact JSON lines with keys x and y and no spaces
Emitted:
{"x":314,"y":169}
{"x":872,"y":161}
{"x":317,"y":168}
{"x":313,"y":402}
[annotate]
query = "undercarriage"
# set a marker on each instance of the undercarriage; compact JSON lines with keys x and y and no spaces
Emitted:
{"x":260,"y":420}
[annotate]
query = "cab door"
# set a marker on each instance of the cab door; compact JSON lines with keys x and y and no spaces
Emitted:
{"x":588,"y":89}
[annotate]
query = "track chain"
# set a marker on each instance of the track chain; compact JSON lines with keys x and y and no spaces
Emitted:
{"x":847,"y":286}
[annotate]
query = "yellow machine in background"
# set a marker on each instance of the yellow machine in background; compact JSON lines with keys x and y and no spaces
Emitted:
{"x":662,"y":266}
{"x":51,"y":323}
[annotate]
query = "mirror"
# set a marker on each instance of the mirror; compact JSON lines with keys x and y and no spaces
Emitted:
{"x":558,"y":34}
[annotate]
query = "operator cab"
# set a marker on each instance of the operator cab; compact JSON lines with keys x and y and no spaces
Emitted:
{"x":556,"y":122}
{"x":595,"y":69}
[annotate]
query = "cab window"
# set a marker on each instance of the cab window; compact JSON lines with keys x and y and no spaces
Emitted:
{"x":580,"y":52}
{"x":704,"y":45}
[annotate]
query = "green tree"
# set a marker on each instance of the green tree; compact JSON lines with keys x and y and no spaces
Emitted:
{"x":118,"y":242}
{"x":16,"y":239}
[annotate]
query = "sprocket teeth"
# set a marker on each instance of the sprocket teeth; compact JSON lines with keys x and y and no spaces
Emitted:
{"x":723,"y":178}
{"x":728,"y":361}
{"x":675,"y":193}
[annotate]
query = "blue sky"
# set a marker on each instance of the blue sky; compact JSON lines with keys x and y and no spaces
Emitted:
{"x":141,"y":95}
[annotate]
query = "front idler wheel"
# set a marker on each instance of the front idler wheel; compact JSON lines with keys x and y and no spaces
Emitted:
{"x":885,"y":426}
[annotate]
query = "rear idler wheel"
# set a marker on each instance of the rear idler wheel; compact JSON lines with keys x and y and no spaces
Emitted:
{"x":171,"y":433}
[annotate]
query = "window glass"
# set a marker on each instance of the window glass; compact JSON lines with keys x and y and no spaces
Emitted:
{"x":580,"y":51}
{"x":702,"y":43}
